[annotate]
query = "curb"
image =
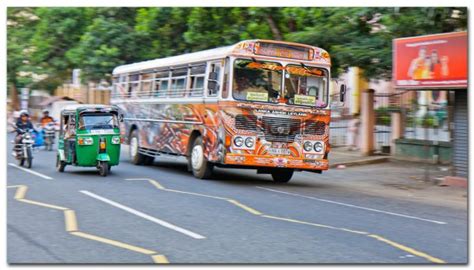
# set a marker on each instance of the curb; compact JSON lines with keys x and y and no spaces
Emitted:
{"x":453,"y":181}
{"x":360,"y":162}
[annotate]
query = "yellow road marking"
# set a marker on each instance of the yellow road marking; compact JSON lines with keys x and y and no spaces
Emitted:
{"x":114,"y":243}
{"x":407,"y":249}
{"x":245,"y":207}
{"x":255,"y":212}
{"x":70,"y":220}
{"x":156,"y":184}
{"x":72,"y":227}
{"x":20,"y":192}
{"x":315,"y":224}
{"x":196,"y":194}
{"x":43,"y":204}
{"x":159,"y":259}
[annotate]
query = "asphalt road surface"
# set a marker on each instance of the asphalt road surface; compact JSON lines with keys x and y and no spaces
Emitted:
{"x":162,"y":214}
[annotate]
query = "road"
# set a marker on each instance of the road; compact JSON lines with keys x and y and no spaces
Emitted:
{"x":162,"y":214}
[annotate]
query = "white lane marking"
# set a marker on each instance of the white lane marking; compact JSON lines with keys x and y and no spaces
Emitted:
{"x":355,"y":206}
{"x":145,"y":216}
{"x":31,"y":171}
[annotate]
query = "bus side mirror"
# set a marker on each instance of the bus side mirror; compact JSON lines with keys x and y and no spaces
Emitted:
{"x":121,"y":117}
{"x":342,"y":93}
{"x":213,"y":76}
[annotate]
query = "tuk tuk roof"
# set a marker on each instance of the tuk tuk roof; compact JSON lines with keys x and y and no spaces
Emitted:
{"x":78,"y":108}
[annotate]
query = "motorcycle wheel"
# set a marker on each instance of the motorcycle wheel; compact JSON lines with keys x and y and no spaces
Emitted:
{"x":29,"y":158}
{"x":21,"y":161}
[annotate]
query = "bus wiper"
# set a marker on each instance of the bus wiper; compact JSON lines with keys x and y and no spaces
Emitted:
{"x":304,"y":66}
{"x":255,"y":60}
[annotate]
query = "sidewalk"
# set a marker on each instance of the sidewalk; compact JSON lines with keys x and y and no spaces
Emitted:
{"x":384,"y":176}
{"x":341,"y":157}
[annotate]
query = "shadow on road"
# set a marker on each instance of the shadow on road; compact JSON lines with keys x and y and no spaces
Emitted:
{"x":233,"y":176}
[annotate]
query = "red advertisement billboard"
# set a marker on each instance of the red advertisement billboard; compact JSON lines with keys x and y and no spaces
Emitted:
{"x":431,"y":62}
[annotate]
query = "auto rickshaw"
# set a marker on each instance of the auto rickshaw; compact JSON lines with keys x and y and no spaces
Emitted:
{"x":89,"y":136}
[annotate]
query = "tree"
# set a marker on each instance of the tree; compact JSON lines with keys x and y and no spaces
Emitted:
{"x":363,"y":36}
{"x":45,"y":44}
{"x":58,"y":30}
{"x":20,"y":28}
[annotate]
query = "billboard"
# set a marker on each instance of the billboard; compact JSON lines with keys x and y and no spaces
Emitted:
{"x":431,"y":62}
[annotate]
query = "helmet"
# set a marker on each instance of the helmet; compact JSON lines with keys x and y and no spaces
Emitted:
{"x":24,"y":112}
{"x":45,"y":111}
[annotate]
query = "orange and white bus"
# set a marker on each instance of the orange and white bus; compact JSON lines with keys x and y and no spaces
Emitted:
{"x":258,"y":104}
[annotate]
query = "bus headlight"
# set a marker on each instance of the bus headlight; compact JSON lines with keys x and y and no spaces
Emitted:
{"x":307,"y":146}
{"x":249,"y":142}
{"x":116,"y":140}
{"x":238,"y":141}
{"x":318,"y":147}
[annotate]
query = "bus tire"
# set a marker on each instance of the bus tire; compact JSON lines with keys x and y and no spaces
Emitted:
{"x":200,"y":166}
{"x":282,"y":175}
{"x":149,"y":160}
{"x":135,"y":156}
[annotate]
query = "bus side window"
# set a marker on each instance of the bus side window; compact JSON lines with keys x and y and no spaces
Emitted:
{"x":213,"y":81}
{"x":133,"y":86}
{"x":161,"y":83}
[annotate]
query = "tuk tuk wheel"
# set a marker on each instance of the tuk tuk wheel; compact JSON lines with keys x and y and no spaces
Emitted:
{"x":103,"y":168}
{"x":60,"y":165}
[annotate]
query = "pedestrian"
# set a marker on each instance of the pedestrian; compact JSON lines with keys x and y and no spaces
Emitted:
{"x":354,"y":125}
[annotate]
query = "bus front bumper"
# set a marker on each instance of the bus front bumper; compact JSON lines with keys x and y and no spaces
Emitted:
{"x":276,"y":162}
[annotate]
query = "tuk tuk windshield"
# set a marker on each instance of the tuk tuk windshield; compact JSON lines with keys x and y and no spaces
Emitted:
{"x":98,"y":121}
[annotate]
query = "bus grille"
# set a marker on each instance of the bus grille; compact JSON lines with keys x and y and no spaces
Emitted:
{"x":278,"y":129}
{"x":315,"y":127}
{"x":246,"y":122}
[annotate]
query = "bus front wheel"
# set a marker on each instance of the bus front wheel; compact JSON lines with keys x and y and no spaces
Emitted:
{"x":282,"y":175}
{"x":200,"y":166}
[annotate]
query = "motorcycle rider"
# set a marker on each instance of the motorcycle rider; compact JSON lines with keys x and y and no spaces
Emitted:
{"x":46,"y":118}
{"x":23,"y":124}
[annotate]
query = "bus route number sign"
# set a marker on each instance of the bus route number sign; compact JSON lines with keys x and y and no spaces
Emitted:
{"x":283,"y":50}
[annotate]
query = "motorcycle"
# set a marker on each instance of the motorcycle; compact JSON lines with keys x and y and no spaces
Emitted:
{"x":49,"y":134}
{"x":24,"y":149}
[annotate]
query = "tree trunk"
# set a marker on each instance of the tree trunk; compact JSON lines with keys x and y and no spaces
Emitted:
{"x":275,"y":31}
{"x":14,"y":98}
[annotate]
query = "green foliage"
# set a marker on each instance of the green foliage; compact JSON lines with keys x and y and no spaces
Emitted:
{"x":53,"y":41}
{"x":382,"y":116}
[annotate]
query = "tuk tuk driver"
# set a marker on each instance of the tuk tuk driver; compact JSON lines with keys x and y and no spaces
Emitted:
{"x":70,"y":137}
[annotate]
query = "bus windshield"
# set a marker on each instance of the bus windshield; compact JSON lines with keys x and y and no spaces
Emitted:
{"x":306,"y":86}
{"x":261,"y":81}
{"x":98,"y":121}
{"x":257,"y":81}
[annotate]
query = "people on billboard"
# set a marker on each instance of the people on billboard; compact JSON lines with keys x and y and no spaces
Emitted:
{"x":417,"y":65}
{"x":444,"y":66}
{"x":430,"y":66}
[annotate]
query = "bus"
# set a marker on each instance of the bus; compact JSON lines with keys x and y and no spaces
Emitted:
{"x":257,"y":104}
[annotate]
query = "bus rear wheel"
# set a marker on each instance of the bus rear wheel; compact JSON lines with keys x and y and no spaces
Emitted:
{"x":282,"y":175}
{"x":135,"y":156}
{"x":200,"y":166}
